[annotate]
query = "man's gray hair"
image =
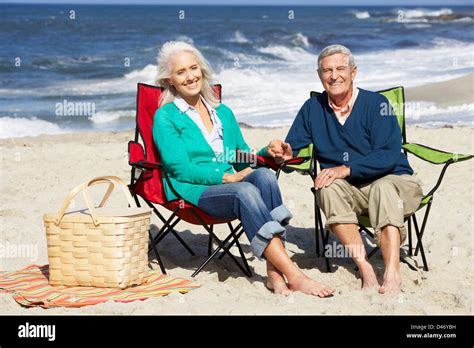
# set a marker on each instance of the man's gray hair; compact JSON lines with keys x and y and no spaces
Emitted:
{"x":335,"y":49}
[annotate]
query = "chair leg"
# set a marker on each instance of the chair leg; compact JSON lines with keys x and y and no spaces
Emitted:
{"x":183,"y":242}
{"x":169,"y":226}
{"x":221,"y":245}
{"x":326,"y":259}
{"x":413,"y":268}
{"x":235,"y":230}
{"x":135,"y":197}
{"x":410,"y":243}
{"x":151,"y":245}
{"x":425,"y":219}
{"x":209,"y":246}
{"x":419,"y":235}
{"x":244,"y":259}
{"x":204,"y":264}
{"x":324,"y":236}
{"x":317,"y":231}
{"x":157,"y":255}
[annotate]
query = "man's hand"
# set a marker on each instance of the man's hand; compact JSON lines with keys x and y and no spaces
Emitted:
{"x":279,"y":150}
{"x":327,"y":176}
{"x":236,"y":177}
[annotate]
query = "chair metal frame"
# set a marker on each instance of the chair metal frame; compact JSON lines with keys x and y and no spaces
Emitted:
{"x":427,"y":200}
{"x":180,"y":208}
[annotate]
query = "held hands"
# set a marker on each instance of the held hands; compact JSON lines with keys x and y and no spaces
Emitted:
{"x":236,"y":177}
{"x":327,"y":176}
{"x":279,"y":150}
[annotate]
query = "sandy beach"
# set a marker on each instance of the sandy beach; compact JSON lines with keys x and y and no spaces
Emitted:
{"x":38,"y":172}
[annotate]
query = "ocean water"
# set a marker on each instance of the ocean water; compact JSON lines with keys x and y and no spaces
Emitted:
{"x":70,"y":68}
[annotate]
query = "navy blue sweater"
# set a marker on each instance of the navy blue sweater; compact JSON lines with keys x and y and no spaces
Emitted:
{"x":370,"y":141}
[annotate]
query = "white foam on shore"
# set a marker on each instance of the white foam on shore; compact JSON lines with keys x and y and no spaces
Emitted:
{"x":427,"y":114}
{"x":12,"y":127}
{"x":269,"y":87}
{"x":270,"y":93}
{"x":120,"y":85}
{"x":142,"y":74}
{"x":110,"y":116}
{"x":447,"y":59}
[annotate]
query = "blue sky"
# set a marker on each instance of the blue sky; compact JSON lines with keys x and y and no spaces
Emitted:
{"x":444,"y":3}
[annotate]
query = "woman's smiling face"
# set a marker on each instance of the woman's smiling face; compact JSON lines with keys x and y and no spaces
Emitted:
{"x":186,"y":74}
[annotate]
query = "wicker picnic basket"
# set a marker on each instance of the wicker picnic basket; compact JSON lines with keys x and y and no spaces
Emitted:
{"x":100,"y":247}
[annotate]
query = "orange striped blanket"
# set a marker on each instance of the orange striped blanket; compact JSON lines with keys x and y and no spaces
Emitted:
{"x":30,"y":287}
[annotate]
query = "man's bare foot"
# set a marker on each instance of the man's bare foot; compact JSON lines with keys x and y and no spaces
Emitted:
{"x":309,"y":286}
{"x":277,"y":284}
{"x":391,"y":283}
{"x":369,"y":278}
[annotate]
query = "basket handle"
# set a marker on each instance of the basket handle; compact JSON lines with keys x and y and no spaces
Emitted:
{"x":83,"y":187}
{"x":111,"y":180}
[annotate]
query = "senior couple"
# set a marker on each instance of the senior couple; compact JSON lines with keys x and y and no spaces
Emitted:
{"x":358,"y":146}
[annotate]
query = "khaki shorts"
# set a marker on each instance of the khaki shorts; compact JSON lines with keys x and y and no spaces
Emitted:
{"x":387,"y":201}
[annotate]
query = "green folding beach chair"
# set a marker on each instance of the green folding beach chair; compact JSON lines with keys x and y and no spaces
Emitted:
{"x":396,"y":98}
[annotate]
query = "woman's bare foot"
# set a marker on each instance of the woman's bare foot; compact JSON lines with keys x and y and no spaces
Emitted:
{"x":308,"y":286}
{"x":367,"y":273}
{"x":277,"y":284}
{"x":276,"y":281}
{"x":391,"y":283}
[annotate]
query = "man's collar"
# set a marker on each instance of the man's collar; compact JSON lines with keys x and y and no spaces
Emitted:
{"x":343,"y":108}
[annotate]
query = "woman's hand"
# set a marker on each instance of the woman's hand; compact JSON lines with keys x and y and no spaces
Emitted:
{"x":236,"y":177}
{"x":279,"y":150}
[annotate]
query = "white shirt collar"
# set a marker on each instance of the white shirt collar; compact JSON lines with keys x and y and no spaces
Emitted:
{"x":183,"y":106}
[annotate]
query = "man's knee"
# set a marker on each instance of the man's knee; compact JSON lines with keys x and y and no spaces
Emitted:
{"x":381,"y":185}
{"x":335,"y":190}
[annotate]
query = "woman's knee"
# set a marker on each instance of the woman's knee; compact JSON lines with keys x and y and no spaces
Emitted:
{"x":248,"y":193}
{"x":264,"y":176}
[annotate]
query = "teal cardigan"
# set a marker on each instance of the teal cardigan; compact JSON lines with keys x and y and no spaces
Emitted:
{"x":188,"y":158}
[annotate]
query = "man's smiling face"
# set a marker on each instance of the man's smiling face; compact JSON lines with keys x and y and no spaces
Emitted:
{"x":336,"y":75}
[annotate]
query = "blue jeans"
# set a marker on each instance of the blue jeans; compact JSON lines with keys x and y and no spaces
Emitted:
{"x":256,"y":201}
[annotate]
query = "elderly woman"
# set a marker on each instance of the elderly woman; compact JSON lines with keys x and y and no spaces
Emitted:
{"x":196,"y":136}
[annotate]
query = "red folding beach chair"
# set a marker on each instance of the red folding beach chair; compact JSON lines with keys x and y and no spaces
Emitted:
{"x":147,"y":182}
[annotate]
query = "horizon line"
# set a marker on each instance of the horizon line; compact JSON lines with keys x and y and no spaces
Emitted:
{"x":234,"y":4}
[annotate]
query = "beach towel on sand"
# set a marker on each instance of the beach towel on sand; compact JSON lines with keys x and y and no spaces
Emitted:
{"x":30,"y":288}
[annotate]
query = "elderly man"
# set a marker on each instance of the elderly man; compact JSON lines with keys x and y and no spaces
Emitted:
{"x":363,"y":171}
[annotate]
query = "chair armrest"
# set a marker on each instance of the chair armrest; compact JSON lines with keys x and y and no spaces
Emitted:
{"x":290,"y":165}
{"x":267,"y":162}
{"x":300,"y":164}
{"x":142,"y":164}
{"x":433,"y":155}
{"x":136,"y":157}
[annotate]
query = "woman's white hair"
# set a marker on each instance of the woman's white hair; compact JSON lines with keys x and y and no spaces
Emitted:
{"x":335,"y":49}
{"x":167,"y":52}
